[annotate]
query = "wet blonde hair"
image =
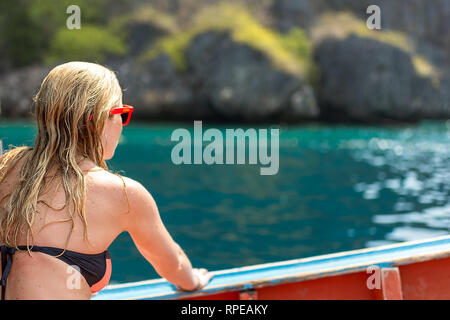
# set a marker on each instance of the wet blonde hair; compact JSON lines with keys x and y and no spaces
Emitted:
{"x":69,"y":94}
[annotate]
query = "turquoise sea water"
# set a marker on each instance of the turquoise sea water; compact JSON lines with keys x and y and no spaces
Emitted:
{"x":338,"y":188}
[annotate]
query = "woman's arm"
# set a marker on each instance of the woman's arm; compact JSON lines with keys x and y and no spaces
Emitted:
{"x":154,"y":242}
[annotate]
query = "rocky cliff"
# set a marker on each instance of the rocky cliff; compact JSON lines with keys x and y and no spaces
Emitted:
{"x":285,"y":60}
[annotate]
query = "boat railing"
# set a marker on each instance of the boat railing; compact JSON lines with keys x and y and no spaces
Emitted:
{"x":246,"y":279}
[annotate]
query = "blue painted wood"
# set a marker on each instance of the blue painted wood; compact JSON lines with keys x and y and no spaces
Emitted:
{"x":288,"y":271}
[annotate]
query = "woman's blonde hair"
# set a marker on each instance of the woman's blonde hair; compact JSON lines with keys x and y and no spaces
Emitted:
{"x":68,"y":96}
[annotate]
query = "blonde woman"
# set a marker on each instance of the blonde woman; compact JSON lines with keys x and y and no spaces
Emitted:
{"x":60,"y":207}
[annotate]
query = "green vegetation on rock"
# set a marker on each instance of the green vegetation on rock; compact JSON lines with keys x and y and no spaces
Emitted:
{"x":90,"y":43}
{"x":148,"y":14}
{"x":291,"y":52}
{"x":34,"y":31}
{"x":342,"y":24}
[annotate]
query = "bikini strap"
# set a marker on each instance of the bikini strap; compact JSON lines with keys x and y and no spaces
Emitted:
{"x":125,"y":189}
{"x":7,"y":259}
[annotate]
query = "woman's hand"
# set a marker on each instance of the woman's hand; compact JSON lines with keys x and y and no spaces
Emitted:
{"x":203,"y":277}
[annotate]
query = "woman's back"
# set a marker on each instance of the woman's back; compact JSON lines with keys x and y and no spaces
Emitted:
{"x":106,"y":208}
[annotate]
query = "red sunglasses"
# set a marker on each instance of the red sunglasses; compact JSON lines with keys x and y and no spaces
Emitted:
{"x":125,"y":112}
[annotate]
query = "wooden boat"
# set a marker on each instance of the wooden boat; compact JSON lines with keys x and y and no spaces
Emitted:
{"x":409,"y":270}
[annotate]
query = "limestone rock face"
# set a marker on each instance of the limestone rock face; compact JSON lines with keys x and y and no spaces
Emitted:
{"x":367,"y":79}
{"x":17,"y":89}
{"x":157,"y":90}
{"x":240,"y":82}
{"x":364,"y":79}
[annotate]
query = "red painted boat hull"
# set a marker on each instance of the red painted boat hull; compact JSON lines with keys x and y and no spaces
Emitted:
{"x":428,"y":280}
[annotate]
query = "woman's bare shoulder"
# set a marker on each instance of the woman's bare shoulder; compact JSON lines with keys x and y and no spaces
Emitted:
{"x":119,"y":186}
{"x":130,"y":200}
{"x":112,"y":179}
